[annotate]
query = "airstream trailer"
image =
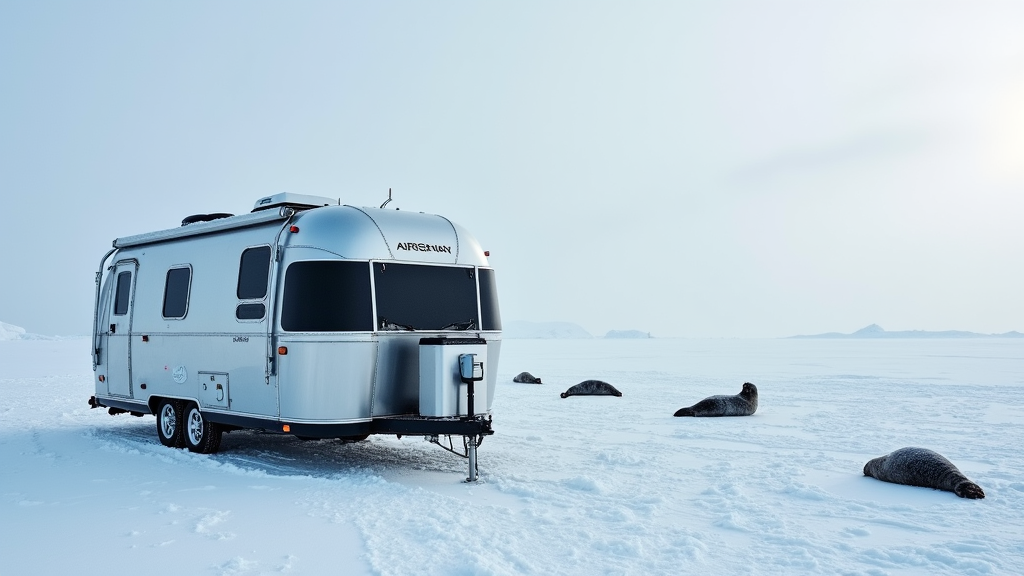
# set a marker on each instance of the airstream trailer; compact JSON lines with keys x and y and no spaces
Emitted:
{"x":304,"y":317}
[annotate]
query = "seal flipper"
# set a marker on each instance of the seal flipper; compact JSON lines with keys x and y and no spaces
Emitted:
{"x":684,"y":412}
{"x":968,"y":489}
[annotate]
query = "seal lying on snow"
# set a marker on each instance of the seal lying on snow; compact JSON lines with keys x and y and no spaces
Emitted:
{"x":526,"y":378}
{"x":922,"y":467}
{"x":742,"y":404}
{"x":592,"y":388}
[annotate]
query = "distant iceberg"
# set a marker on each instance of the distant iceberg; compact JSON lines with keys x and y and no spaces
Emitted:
{"x":876,"y":331}
{"x":523,"y":329}
{"x":11,"y":332}
{"x":627,"y":334}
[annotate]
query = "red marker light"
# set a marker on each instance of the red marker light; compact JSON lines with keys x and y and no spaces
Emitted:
{"x":487,"y":252}
{"x":293,"y":229}
{"x":102,"y":378}
{"x":282,"y":350}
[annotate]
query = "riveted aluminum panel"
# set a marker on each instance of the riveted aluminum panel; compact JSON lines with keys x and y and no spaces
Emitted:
{"x":326,"y":381}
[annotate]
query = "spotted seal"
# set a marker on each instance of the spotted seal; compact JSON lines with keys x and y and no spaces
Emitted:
{"x":526,"y":378}
{"x":922,"y":467}
{"x":591,"y":388}
{"x":742,"y":404}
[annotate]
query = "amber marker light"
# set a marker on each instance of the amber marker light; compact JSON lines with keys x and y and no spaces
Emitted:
{"x":282,"y":350}
{"x":286,"y":428}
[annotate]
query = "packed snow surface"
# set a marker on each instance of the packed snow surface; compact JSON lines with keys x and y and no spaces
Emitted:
{"x":583,"y":485}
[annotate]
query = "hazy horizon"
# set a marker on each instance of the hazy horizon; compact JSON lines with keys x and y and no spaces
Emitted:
{"x":739,"y":169}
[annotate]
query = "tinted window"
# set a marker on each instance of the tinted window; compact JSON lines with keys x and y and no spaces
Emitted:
{"x":176,"y":292}
{"x":124,"y":290}
{"x":490,"y":317}
{"x":425,"y":297}
{"x":250,"y":311}
{"x":253,"y":271}
{"x":328,"y":296}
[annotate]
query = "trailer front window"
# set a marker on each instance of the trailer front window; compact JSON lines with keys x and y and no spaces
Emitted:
{"x":490,"y":317}
{"x":327,"y":296}
{"x":421,"y":297}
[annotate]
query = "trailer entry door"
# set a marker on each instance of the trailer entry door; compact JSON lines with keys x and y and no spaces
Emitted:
{"x":119,"y":330}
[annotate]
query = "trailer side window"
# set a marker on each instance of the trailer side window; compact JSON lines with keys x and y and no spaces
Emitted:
{"x":253,"y":273}
{"x":251,"y":311}
{"x":327,"y":296}
{"x":490,"y":316}
{"x":124,"y":290}
{"x":176,"y":292}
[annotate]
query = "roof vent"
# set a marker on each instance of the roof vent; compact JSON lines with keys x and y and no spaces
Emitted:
{"x":204,"y":218}
{"x":297,"y":201}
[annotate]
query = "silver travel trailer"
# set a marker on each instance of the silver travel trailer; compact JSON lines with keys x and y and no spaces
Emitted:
{"x":304,"y":317}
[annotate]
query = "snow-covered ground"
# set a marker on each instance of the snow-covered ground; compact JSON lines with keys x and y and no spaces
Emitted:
{"x":595,"y":485}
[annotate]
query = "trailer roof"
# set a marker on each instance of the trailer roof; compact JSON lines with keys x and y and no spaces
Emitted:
{"x":232,"y":222}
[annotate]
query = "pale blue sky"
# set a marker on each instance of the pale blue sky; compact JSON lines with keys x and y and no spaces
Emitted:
{"x":689,"y":169}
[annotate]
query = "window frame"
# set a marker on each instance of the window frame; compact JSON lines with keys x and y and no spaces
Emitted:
{"x":127,"y":293}
{"x":292,"y":320}
{"x":263,"y":300}
{"x":188,"y":291}
{"x":379,"y":291}
{"x":490,"y":316}
{"x":260,"y":318}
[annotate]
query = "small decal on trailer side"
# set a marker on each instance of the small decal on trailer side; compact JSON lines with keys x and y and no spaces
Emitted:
{"x":179,"y":374}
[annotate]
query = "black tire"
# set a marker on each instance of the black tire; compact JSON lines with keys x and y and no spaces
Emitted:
{"x":168,"y":424}
{"x":200,"y":434}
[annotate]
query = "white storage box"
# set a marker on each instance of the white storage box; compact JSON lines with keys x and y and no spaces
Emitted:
{"x":442,"y":392}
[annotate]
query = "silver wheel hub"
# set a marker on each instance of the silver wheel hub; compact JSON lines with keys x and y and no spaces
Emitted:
{"x":167,"y":421}
{"x":195,"y":426}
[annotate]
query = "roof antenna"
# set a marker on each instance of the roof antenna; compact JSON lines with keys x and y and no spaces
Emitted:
{"x":388,"y":200}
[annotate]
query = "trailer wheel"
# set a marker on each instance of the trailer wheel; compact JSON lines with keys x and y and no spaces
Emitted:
{"x":168,"y":424}
{"x":200,"y":434}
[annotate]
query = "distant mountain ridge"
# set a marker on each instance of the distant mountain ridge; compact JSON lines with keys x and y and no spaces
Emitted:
{"x":876,"y":331}
{"x":524,"y":330}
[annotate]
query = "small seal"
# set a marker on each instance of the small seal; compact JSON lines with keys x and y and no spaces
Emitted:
{"x":591,"y":388}
{"x":925,"y":468}
{"x":742,"y":404}
{"x":526,"y":378}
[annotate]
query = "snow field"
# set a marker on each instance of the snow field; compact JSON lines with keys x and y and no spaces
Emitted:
{"x":582,"y":485}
